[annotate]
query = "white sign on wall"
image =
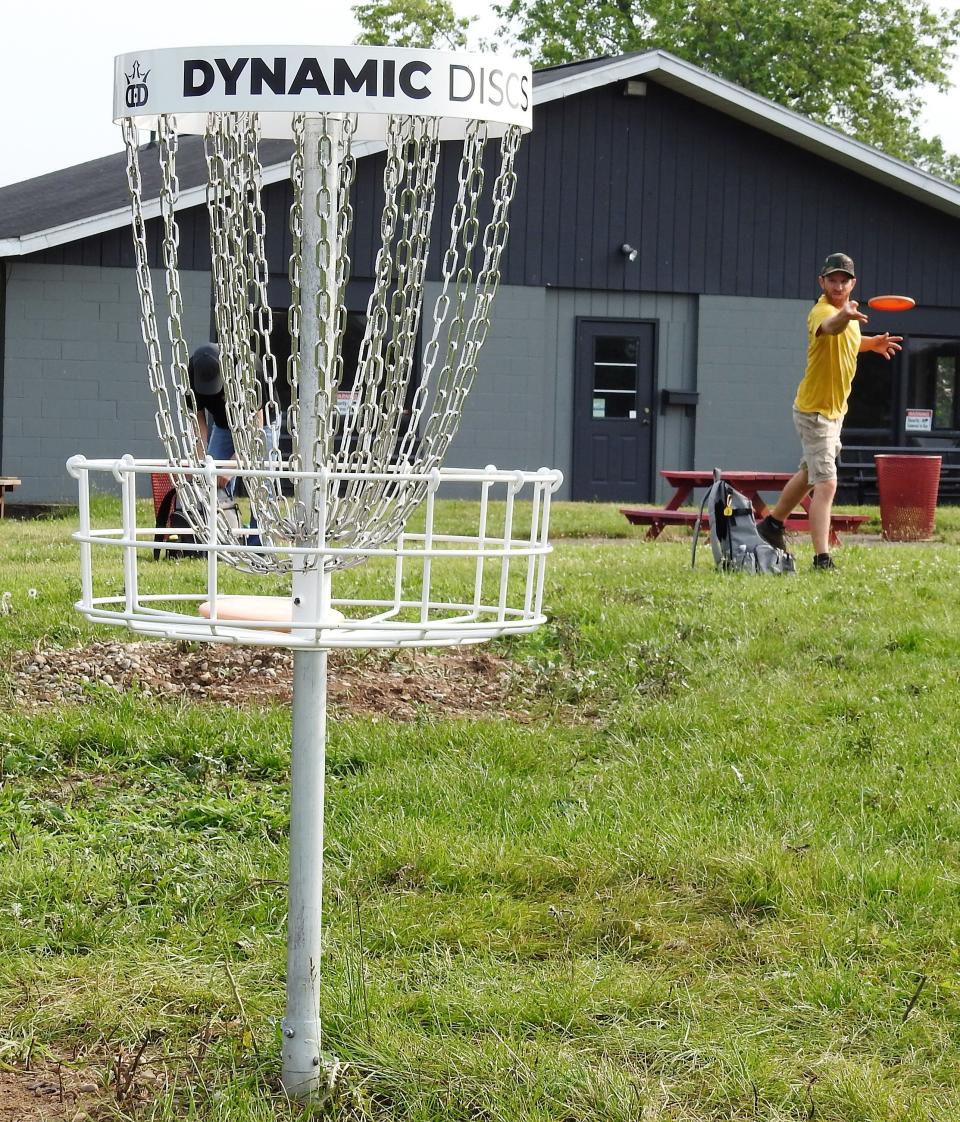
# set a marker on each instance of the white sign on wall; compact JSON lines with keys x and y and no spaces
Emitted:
{"x":919,"y":420}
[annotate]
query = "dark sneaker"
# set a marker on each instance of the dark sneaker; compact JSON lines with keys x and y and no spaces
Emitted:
{"x":772,"y":532}
{"x":823,"y":561}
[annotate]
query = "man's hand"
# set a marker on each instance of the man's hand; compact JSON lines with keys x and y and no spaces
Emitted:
{"x":886,"y":344}
{"x":852,"y":311}
{"x":837,"y":323}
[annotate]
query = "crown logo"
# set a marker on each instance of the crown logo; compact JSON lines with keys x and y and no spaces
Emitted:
{"x":137,"y":92}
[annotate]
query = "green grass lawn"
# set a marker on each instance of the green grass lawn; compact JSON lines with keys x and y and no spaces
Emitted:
{"x":718,"y":878}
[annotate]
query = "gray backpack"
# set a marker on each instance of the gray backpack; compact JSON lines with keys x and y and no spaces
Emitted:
{"x":736,"y":545}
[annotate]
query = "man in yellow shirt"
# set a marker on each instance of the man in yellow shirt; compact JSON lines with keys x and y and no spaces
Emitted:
{"x":833,"y":343}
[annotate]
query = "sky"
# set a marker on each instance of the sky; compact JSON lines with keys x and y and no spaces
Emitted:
{"x":56,"y":62}
{"x":56,"y":65}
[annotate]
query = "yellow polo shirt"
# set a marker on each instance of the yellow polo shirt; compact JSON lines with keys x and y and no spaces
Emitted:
{"x":831,"y":365}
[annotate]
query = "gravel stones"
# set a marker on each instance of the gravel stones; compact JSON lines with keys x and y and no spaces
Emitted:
{"x":398,"y":685}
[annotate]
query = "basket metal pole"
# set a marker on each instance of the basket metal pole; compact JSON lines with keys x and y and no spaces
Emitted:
{"x":302,"y":1068}
{"x":303,"y":1063}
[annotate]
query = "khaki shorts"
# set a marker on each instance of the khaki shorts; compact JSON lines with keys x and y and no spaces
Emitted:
{"x":820,"y":438}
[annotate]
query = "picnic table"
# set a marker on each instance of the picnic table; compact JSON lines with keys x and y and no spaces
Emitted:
{"x":7,"y":483}
{"x":752,"y":484}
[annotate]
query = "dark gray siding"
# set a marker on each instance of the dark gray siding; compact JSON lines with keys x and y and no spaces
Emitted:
{"x":114,"y":249}
{"x":713,"y":205}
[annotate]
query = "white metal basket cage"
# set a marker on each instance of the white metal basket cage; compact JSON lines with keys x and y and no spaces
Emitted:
{"x":434,"y":587}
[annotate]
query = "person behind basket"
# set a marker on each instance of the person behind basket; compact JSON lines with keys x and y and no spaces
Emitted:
{"x":206,"y":382}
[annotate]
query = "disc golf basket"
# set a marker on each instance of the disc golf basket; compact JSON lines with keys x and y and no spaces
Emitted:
{"x":361,"y":483}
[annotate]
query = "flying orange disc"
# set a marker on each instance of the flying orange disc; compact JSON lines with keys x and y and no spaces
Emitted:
{"x":891,"y":303}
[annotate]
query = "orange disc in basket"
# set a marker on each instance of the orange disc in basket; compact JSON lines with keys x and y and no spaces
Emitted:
{"x":261,"y":609}
{"x":891,"y":303}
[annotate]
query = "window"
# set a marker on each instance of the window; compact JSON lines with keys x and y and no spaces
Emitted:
{"x":934,"y":365}
{"x":614,"y":378}
{"x":870,"y":409}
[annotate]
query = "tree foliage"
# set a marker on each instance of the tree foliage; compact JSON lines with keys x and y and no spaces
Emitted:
{"x":860,"y":68}
{"x":411,"y":23}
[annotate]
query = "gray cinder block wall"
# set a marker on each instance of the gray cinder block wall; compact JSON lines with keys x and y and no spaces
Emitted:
{"x":508,"y":416}
{"x":676,"y":323}
{"x":76,"y":375}
{"x":520,"y":411}
{"x":750,"y":359}
{"x":75,"y":370}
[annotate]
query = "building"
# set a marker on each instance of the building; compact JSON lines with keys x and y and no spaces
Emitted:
{"x":665,"y":239}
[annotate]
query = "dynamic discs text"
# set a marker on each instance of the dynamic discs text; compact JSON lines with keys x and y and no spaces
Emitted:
{"x":370,"y":77}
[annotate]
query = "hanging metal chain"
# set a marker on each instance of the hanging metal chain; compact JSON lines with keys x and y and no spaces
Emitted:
{"x":348,"y":172}
{"x":294,"y":274}
{"x":320,"y":229}
{"x":227,"y":140}
{"x":447,"y":329}
{"x":181,"y":442}
{"x":456,"y":384}
{"x":367,"y":511}
{"x":386,"y":367}
{"x":190,"y":443}
{"x":328,"y":297}
{"x":363,"y":413}
{"x":252,"y":391}
{"x":371,"y":434}
{"x":148,"y":311}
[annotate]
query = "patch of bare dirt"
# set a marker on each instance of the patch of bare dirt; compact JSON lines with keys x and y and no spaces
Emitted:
{"x":398,"y":685}
{"x":51,"y":1093}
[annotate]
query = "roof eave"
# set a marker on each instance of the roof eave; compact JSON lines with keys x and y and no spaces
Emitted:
{"x":113,"y":219}
{"x":761,"y":113}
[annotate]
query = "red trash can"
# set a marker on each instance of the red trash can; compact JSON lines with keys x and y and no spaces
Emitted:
{"x":908,"y":488}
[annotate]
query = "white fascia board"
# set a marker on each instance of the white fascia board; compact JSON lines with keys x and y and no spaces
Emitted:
{"x":760,"y":112}
{"x":115,"y":219}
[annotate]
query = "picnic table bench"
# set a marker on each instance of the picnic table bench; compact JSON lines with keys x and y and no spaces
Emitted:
{"x":7,"y":483}
{"x":750,"y":483}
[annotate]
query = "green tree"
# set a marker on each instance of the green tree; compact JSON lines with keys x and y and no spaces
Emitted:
{"x":860,"y":68}
{"x":411,"y":23}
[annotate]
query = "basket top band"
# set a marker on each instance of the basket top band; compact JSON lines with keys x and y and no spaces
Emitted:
{"x":278,"y":82}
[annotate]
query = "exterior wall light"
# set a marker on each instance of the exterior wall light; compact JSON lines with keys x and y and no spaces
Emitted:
{"x":628,"y":251}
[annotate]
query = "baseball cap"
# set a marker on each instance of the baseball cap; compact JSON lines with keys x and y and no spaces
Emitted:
{"x":204,"y":370}
{"x":838,"y":263}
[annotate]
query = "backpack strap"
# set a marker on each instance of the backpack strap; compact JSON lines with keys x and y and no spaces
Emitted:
{"x":703,"y":507}
{"x":696,"y":527}
{"x":164,"y":511}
